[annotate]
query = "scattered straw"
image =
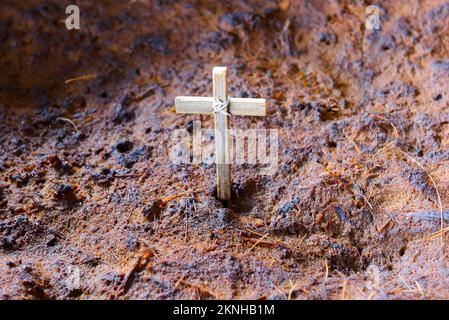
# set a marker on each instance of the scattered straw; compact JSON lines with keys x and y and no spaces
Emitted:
{"x":69,"y":121}
{"x":201,"y":290}
{"x":379,"y":230}
{"x":269,"y":238}
{"x":406,"y":284}
{"x":87,"y":77}
{"x":442,"y":230}
{"x":361,"y":291}
{"x":293,"y":287}
{"x":439,"y":233}
{"x":360,"y":193}
{"x":255,"y":244}
{"x":343,"y":290}
{"x":326,"y":275}
{"x":440,"y":204}
{"x":420,"y":289}
{"x":154,"y":250}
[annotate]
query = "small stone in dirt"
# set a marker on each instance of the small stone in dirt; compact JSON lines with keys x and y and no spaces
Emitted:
{"x":65,"y":191}
{"x":124,"y":146}
{"x":135,"y":156}
{"x":289,"y":206}
{"x":123,"y":111}
{"x":438,"y":97}
{"x":153,"y":210}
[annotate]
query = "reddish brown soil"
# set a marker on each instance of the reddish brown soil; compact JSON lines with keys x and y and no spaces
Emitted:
{"x":348,"y":213}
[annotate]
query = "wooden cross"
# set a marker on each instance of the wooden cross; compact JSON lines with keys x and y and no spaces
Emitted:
{"x":222,"y":108}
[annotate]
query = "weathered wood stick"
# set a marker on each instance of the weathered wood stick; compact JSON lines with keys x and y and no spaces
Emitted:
{"x":222,"y":139}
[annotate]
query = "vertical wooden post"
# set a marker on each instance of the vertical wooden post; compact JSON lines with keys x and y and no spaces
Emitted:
{"x":222,"y":139}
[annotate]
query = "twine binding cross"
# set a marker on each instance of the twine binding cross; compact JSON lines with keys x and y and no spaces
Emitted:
{"x":220,"y":106}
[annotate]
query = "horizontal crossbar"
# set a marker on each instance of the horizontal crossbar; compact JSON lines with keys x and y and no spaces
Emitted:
{"x":237,"y":106}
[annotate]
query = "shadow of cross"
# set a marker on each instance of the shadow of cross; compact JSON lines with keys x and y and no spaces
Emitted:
{"x":222,"y":108}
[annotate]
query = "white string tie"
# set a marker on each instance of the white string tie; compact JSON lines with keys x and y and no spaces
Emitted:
{"x":220,"y":106}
